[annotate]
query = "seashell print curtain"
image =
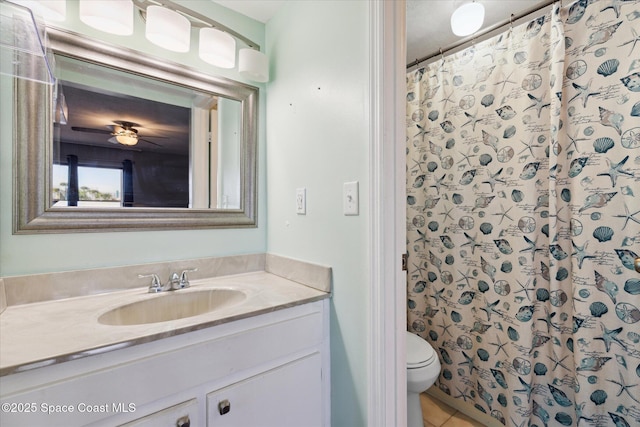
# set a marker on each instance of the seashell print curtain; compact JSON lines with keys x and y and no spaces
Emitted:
{"x":523,"y":218}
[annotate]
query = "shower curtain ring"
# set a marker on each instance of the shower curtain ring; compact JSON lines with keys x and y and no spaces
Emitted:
{"x":510,"y":26}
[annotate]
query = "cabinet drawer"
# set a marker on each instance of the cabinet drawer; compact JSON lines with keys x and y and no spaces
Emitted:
{"x":287,"y":396}
{"x":181,"y":415}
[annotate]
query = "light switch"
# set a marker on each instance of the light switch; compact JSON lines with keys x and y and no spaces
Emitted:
{"x":301,"y":201}
{"x":350,"y":199}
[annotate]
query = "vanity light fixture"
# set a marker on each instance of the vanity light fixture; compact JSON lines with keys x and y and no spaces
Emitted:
{"x":23,"y":49}
{"x":214,"y":46}
{"x":168,"y":25}
{"x":254,"y":65}
{"x":168,"y":29}
{"x":217,"y":48}
{"x":110,"y":16}
{"x":467,"y":19}
{"x":51,"y":10}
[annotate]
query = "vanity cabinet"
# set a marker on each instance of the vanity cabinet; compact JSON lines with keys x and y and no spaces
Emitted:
{"x":268,"y":370}
{"x":297,"y":402}
{"x":181,"y":415}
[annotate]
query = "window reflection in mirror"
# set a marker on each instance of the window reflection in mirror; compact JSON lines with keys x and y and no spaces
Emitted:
{"x":95,"y":187}
{"x":171,"y":146}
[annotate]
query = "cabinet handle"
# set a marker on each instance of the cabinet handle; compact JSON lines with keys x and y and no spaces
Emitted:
{"x":224,"y":407}
{"x":636,"y":264}
{"x":183,"y":421}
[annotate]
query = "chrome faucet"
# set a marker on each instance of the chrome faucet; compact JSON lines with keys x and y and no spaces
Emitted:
{"x":184,"y":280}
{"x":156,"y":284}
{"x":175,"y":281}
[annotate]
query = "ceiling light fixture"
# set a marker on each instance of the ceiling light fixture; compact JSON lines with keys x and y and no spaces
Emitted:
{"x":467,"y":19}
{"x":127,"y":140}
{"x":124,"y":135}
{"x":110,"y":16}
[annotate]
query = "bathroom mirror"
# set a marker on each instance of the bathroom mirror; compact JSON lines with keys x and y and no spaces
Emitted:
{"x":125,"y":141}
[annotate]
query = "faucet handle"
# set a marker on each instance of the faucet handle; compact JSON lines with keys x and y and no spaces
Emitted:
{"x":156,"y":285}
{"x":184,"y":280}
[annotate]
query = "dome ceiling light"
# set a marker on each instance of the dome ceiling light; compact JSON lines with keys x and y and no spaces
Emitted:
{"x":467,"y":19}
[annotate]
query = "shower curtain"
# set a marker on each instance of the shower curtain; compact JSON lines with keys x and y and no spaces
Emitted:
{"x":523,"y":218}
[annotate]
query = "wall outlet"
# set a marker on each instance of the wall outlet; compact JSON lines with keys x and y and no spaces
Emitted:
{"x":301,"y":201}
{"x":350,"y":199}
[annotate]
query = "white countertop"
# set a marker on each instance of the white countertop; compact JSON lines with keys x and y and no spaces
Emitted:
{"x":45,"y":333}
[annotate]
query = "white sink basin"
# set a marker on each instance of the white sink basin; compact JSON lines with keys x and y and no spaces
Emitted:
{"x":172,"y":305}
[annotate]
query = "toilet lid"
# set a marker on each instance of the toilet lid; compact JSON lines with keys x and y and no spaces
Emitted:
{"x":419,"y":352}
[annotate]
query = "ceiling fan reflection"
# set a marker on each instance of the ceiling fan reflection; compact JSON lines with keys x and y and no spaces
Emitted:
{"x":123,"y":132}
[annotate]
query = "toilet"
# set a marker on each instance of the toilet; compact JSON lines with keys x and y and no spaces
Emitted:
{"x":423,"y":368}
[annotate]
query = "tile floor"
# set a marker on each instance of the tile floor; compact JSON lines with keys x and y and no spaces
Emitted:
{"x":438,"y":414}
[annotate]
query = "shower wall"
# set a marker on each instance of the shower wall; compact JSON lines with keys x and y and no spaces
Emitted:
{"x":523,"y":218}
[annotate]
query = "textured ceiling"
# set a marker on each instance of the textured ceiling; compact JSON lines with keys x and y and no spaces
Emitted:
{"x":428,"y":27}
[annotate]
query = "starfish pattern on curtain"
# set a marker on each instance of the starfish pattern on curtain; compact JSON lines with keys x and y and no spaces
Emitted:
{"x":523,"y":218}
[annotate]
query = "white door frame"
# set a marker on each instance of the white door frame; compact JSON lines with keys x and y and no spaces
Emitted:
{"x":387,"y":348}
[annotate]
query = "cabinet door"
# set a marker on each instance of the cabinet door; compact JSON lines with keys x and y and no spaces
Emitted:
{"x":181,"y":415}
{"x":287,"y":396}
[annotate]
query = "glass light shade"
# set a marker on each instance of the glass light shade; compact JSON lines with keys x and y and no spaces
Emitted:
{"x":24,"y":51}
{"x":50,"y":10}
{"x":168,"y":29}
{"x":217,"y":48}
{"x":124,"y":140}
{"x":110,"y":16}
{"x":253,"y":65}
{"x":467,"y":19}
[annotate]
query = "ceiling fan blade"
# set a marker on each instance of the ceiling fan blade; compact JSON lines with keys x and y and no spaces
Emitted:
{"x":152,"y":136}
{"x":90,"y":130}
{"x":149,"y":142}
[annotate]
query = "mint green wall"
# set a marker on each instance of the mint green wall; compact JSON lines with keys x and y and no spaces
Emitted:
{"x":318,"y":138}
{"x":26,"y":254}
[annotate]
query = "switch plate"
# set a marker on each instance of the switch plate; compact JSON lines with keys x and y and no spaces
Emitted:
{"x":301,"y":201}
{"x":350,"y":199}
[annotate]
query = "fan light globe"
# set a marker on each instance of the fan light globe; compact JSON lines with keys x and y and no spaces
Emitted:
{"x":126,"y":139}
{"x":168,"y":29}
{"x":217,"y":48}
{"x":467,"y":19}
{"x":110,"y":16}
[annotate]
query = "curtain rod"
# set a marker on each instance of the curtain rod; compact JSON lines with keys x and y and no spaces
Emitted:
{"x":484,"y":32}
